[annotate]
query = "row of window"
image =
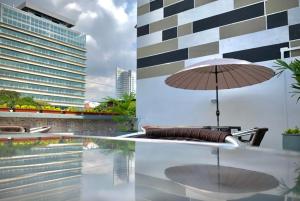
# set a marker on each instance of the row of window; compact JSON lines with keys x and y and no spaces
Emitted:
{"x":27,"y":86}
{"x":40,"y":50}
{"x":43,"y":177}
{"x":41,"y":41}
{"x":13,"y":172}
{"x":42,"y":26}
{"x":25,"y":76}
{"x":44,"y":32}
{"x":42,"y":158}
{"x":41,"y":60}
{"x":56,"y":99}
{"x":41,"y":69}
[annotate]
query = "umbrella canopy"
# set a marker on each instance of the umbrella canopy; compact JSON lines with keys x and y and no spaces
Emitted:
{"x":218,"y":74}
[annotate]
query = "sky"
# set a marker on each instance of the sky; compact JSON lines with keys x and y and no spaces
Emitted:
{"x":111,"y":38}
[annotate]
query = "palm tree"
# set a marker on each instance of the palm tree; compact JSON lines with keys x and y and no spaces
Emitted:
{"x":126,"y":108}
{"x":294,"y":67}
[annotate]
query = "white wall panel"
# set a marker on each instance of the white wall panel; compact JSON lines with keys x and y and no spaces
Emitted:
{"x":294,"y":16}
{"x":199,"y":38}
{"x":142,"y":2}
{"x":149,"y":39}
{"x":253,"y":40}
{"x":208,"y":10}
{"x":193,"y":61}
{"x":150,"y":17}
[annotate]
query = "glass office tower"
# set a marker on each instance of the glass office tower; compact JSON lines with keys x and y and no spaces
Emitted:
{"x":41,"y":56}
{"x":125,"y":82}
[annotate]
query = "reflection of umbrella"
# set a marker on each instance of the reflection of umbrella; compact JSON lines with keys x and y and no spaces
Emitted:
{"x":201,"y":181}
{"x":220,"y":74}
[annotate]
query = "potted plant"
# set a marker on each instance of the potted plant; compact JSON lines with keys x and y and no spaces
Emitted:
{"x":4,"y":108}
{"x":72,"y":110}
{"x":25,"y":108}
{"x":90,"y":112}
{"x":51,"y":109}
{"x":291,"y":139}
{"x":293,"y":67}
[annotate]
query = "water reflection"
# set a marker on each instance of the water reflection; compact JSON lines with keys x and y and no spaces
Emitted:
{"x":108,"y":172}
{"x":180,"y":172}
{"x":40,"y":170}
{"x":92,"y":169}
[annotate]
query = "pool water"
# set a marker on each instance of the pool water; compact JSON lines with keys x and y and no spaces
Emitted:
{"x":112,"y":169}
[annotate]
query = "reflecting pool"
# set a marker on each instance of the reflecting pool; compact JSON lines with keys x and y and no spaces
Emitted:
{"x":48,"y":167}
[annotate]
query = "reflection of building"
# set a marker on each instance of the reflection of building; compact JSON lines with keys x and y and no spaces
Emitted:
{"x":41,"y":56}
{"x":173,"y":34}
{"x":42,"y":173}
{"x":121,"y":168}
{"x":125,"y":82}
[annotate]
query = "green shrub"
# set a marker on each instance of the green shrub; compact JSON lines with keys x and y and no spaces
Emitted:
{"x":9,"y":97}
{"x":49,"y":107}
{"x":125,"y":108}
{"x":91,"y":110}
{"x":294,"y":68}
{"x":295,"y":130}
{"x":30,"y":107}
{"x":3,"y":105}
{"x":72,"y":109}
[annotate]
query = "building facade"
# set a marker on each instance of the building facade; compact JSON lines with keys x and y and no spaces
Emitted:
{"x":51,"y":167}
{"x":174,"y":34}
{"x":41,"y":56}
{"x":125,"y":82}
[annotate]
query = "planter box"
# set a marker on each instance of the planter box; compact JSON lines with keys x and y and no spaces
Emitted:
{"x":291,"y":142}
{"x":4,"y":110}
{"x":91,"y":113}
{"x":52,"y":111}
{"x":26,"y":110}
{"x":108,"y":113}
{"x":71,"y":112}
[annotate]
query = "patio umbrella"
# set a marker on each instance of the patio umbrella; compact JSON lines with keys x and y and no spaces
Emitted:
{"x":218,"y":74}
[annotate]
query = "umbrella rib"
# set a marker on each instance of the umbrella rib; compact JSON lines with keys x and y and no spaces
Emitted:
{"x":252,"y":72}
{"x":199,"y":81}
{"x":248,"y":71}
{"x":266,"y":72}
{"x":182,"y":80}
{"x":262,"y":72}
{"x":232,"y":69}
{"x":225,"y":80}
{"x":176,"y":77}
{"x":193,"y":76}
{"x":262,"y":69}
{"x":211,"y":71}
{"x":244,"y":77}
{"x":255,"y":69}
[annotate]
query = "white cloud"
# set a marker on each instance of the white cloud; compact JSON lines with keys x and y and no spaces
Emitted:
{"x":56,"y":2}
{"x":88,"y":15}
{"x":100,"y":87}
{"x":118,"y":13}
{"x":110,"y":34}
{"x":91,"y":41}
{"x":73,"y":6}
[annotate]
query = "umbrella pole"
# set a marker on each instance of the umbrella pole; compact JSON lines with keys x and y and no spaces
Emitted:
{"x":218,"y":124}
{"x":217,"y":96}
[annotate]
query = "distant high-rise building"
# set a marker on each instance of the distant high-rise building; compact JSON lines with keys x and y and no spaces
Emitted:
{"x":41,"y":56}
{"x":125,"y":82}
